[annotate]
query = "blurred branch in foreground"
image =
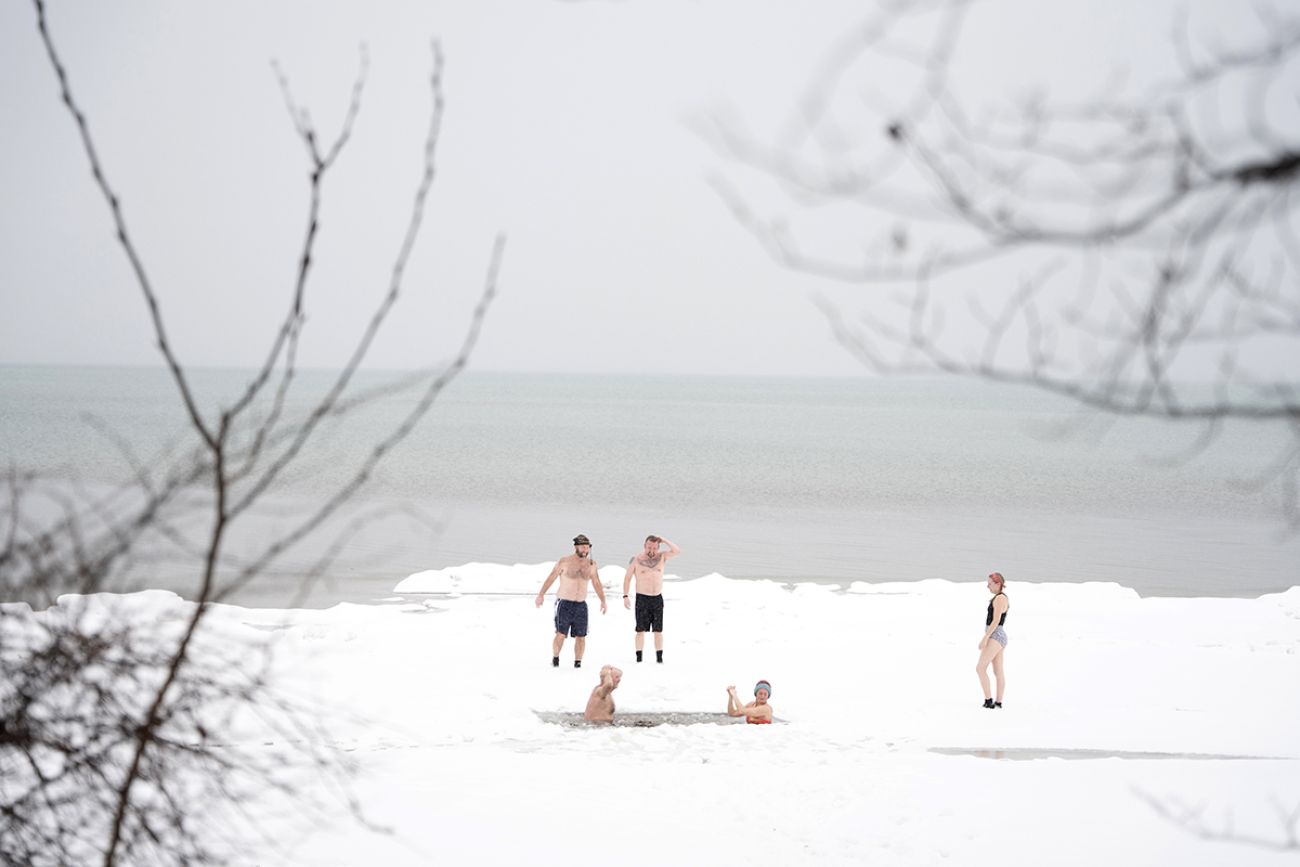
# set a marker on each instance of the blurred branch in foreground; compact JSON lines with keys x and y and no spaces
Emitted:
{"x":1134,"y":249}
{"x":118,"y":717}
{"x":1192,"y":820}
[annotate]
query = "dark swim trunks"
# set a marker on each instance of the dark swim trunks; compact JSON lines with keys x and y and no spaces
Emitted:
{"x":571,"y":618}
{"x":649,"y":613}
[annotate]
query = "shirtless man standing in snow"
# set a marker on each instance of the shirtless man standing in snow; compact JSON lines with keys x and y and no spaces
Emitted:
{"x":648,"y":568}
{"x":600,"y":707}
{"x":574,"y":572}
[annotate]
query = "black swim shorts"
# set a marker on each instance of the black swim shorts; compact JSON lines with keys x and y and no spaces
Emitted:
{"x":649,"y":613}
{"x":571,"y":618}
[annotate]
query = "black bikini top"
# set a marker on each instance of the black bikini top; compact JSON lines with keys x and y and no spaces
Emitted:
{"x":989,"y":619}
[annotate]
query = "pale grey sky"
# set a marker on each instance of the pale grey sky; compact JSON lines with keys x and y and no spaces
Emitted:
{"x":567,"y":128}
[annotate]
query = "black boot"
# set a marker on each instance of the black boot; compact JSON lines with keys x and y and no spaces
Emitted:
{"x":555,"y":661}
{"x":577,"y":663}
{"x":997,"y":704}
{"x":988,"y":703}
{"x":659,"y":656}
{"x":638,"y":656}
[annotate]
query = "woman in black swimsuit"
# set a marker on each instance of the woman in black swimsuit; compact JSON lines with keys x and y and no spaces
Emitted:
{"x":993,"y":646}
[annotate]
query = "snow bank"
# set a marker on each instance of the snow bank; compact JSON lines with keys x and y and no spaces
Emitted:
{"x":438,"y":694}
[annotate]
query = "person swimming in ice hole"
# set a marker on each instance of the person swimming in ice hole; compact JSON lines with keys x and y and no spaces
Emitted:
{"x":756,"y":712}
{"x":600,"y":707}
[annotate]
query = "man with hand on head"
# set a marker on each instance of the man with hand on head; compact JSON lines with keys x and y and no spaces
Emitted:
{"x":574,"y":572}
{"x":648,"y":569}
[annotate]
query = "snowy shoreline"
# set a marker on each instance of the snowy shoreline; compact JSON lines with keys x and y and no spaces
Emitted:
{"x":885,"y":753}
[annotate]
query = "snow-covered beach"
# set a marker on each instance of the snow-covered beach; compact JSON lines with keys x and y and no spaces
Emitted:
{"x":1118,"y":709}
{"x":858,"y":301}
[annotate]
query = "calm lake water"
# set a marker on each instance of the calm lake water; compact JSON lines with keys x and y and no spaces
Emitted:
{"x":792,"y":479}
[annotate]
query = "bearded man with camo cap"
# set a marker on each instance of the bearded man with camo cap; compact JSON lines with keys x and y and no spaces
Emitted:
{"x":574,"y":572}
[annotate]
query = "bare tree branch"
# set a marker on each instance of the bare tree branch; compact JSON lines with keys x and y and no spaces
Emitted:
{"x":1192,"y":819}
{"x":1102,"y":249}
{"x":106,"y":729}
{"x":123,"y":238}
